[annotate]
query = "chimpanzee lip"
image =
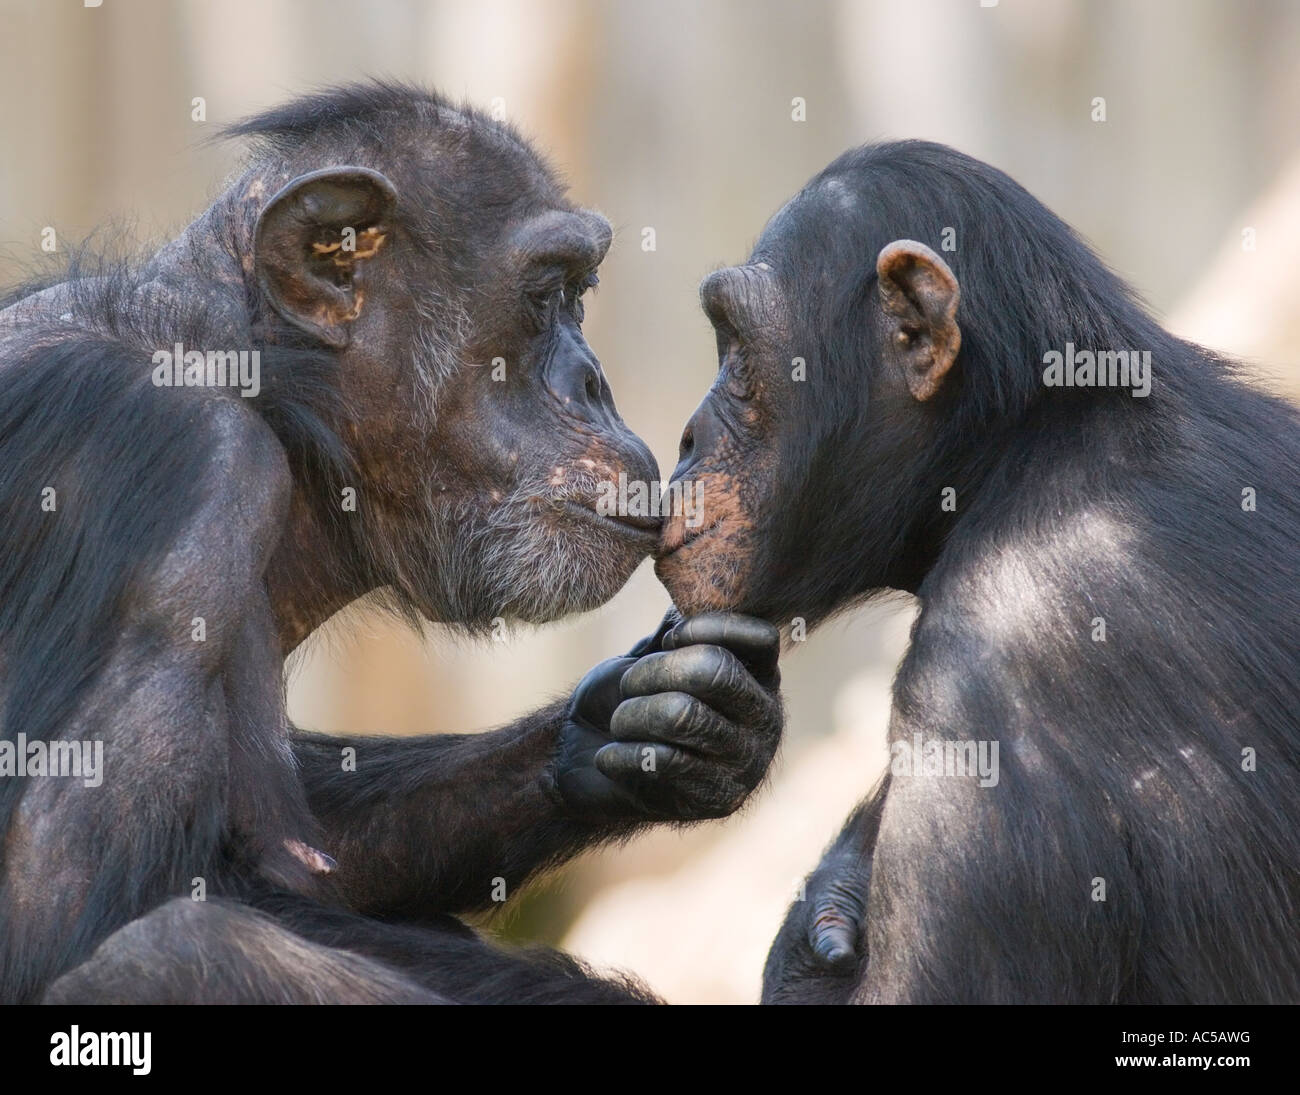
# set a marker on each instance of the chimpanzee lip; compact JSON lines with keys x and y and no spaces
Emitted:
{"x":645,"y":529}
{"x":689,"y":537}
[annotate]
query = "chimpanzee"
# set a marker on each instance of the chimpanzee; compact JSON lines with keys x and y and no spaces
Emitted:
{"x":929,"y":383}
{"x":360,"y":371}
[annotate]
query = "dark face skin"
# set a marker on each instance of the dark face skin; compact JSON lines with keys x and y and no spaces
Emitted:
{"x":479,"y":418}
{"x":532,"y":450}
{"x":816,"y":426}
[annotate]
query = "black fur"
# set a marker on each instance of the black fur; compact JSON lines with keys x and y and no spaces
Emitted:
{"x":1121,"y":760}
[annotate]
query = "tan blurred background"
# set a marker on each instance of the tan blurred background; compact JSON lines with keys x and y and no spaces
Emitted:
{"x":677,"y":116}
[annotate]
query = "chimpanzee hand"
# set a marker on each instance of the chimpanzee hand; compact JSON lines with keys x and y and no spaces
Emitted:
{"x":682,"y":728}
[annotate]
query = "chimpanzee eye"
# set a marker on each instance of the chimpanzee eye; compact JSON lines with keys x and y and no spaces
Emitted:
{"x":576,"y":290}
{"x":737,"y":376}
{"x":544,"y":302}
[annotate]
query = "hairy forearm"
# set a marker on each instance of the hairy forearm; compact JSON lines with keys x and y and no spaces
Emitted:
{"x":430,"y":824}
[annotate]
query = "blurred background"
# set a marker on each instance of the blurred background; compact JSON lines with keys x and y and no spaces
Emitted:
{"x":678,"y":116}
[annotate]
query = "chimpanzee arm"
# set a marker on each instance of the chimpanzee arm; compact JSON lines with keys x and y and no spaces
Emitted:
{"x":139,"y":641}
{"x":170,"y":696}
{"x":680,"y":729}
{"x":290,"y":950}
{"x":220,"y":952}
{"x":427,"y":824}
{"x":997,"y":874}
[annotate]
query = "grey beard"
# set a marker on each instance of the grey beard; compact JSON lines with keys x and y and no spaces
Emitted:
{"x":476,"y":561}
{"x":520,"y":559}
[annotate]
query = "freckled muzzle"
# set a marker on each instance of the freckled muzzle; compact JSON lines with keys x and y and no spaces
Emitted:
{"x":610,"y":487}
{"x":704,"y":557}
{"x":705,"y":562}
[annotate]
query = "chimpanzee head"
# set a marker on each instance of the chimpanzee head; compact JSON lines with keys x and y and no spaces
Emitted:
{"x":432,"y":253}
{"x":857,"y":381}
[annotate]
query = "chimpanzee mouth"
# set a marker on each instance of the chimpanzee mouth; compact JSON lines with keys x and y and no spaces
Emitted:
{"x":644,"y":530}
{"x":671,"y":544}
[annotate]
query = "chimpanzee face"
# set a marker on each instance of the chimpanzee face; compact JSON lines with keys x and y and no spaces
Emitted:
{"x":530,"y":430}
{"x":729,"y":449}
{"x":479,"y":418}
{"x":807,"y":443}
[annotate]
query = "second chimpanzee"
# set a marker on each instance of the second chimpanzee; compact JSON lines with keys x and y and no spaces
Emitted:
{"x":928,"y":383}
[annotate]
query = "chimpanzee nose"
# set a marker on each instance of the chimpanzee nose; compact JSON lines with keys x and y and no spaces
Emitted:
{"x":575,"y":379}
{"x":698,"y":439}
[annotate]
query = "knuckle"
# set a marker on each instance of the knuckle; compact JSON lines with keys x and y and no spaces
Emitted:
{"x":716,"y":669}
{"x":679,"y":714}
{"x":694,"y":721}
{"x":665,"y":714}
{"x":669,"y":761}
{"x":694,"y":669}
{"x":640,"y":675}
{"x":732,"y":675}
{"x":627,"y":716}
{"x":680,"y":711}
{"x":701,"y":662}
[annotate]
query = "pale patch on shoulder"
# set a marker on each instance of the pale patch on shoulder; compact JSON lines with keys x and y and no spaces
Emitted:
{"x":839,"y":194}
{"x":1017,"y":586}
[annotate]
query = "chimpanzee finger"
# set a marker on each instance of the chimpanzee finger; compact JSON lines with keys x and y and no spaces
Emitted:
{"x":833,"y":938}
{"x":682,"y":784}
{"x":680,"y":719}
{"x":710,"y":673}
{"x":630,"y":761}
{"x":839,"y":909}
{"x":755,"y":642}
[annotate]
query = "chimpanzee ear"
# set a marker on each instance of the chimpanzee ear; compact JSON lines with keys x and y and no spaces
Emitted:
{"x":311,"y":241}
{"x":919,"y":294}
